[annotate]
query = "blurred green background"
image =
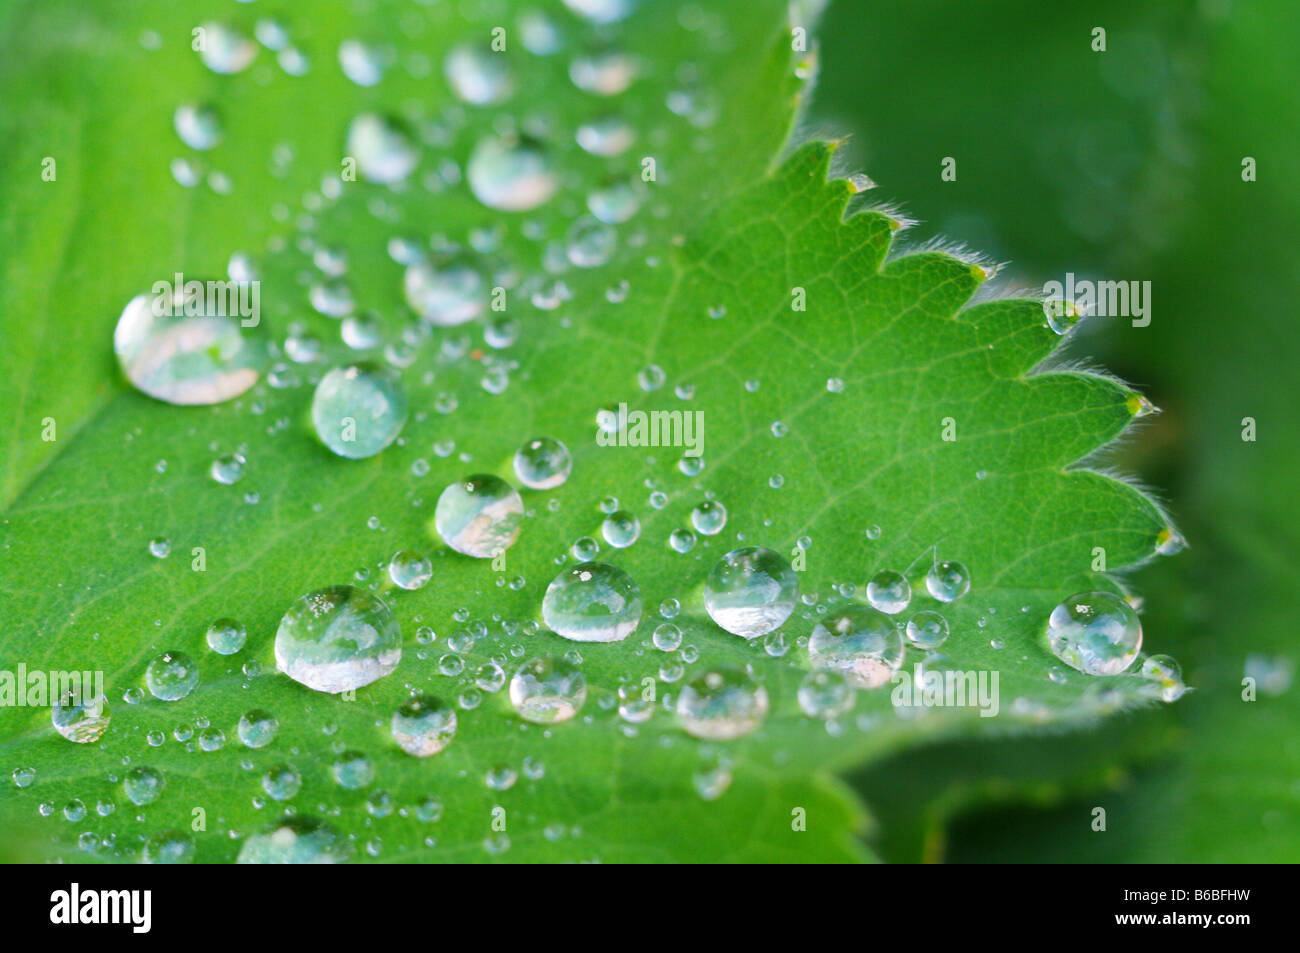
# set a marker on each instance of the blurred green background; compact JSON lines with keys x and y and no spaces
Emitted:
{"x":1124,"y":165}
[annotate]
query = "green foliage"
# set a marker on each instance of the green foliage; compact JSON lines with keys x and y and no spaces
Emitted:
{"x":727,"y":230}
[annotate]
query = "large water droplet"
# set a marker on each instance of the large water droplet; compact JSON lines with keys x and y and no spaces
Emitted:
{"x":722,"y":704}
{"x":188,"y":347}
{"x":510,"y":175}
{"x":547,"y":690}
{"x":1095,"y":632}
{"x":479,"y":516}
{"x":751,"y":591}
{"x":424,"y":725}
{"x":382,"y":148}
{"x":338,"y":638}
{"x":543,"y":463}
{"x":359,"y":410}
{"x":861,"y":643}
{"x":592,"y":602}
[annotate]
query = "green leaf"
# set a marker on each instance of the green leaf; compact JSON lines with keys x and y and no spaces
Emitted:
{"x":729,"y":239}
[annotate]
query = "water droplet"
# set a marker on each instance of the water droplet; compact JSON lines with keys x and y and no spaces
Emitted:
{"x":479,"y":516}
{"x":613,"y":204}
{"x":889,"y":591}
{"x":447,"y":295}
{"x":607,"y":136}
{"x":226,"y":636}
{"x":1061,"y":314}
{"x":382,"y":148}
{"x":361,"y":62}
{"x":635,"y":705}
{"x":1169,"y":542}
{"x":169,"y":847}
{"x":224,"y":49}
{"x":359,"y":410}
{"x":667,"y":637}
{"x":547,"y":690}
{"x":681,"y":540}
{"x":1166,"y":677}
{"x":948,"y":581}
{"x":362,"y":332}
{"x":825,"y":694}
{"x":592,"y":602}
{"x":751,"y":591}
{"x":160,"y":548}
{"x":296,"y":840}
{"x":198,"y":125}
{"x":709,"y":517}
{"x":543,"y":463}
{"x":861,"y":643}
{"x":478,"y":76}
{"x":281,"y":782}
{"x":143,"y":785}
{"x":257,"y":728}
{"x":621,"y":529}
{"x":183,"y":349}
{"x":80,"y":720}
{"x":228,"y":468}
{"x":602,"y":11}
{"x":589,"y":242}
{"x":510,"y":175}
{"x":410,"y":569}
{"x":721,"y":704}
{"x":171,"y":676}
{"x":352,"y":770}
{"x":1095,"y":632}
{"x":338,"y":638}
{"x":927,"y":629}
{"x":424,"y":725}
{"x":606,"y":73}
